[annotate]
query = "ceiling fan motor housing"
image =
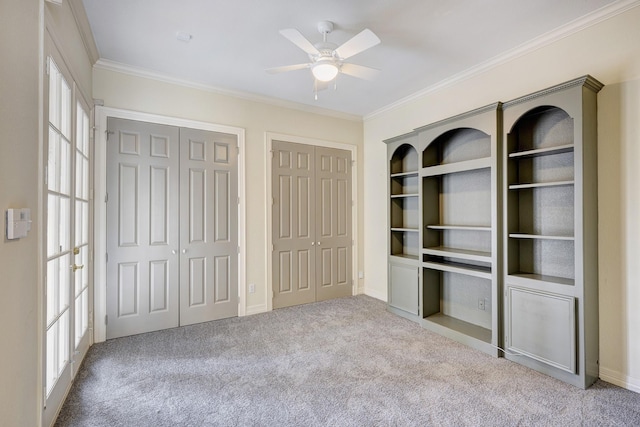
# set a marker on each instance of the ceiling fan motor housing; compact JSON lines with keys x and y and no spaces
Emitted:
{"x":325,"y":27}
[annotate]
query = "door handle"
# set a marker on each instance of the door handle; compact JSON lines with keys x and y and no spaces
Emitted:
{"x":313,"y":243}
{"x":173,"y":252}
{"x":77,"y":267}
{"x":76,"y":251}
{"x":184,"y":251}
{"x":318,"y":243}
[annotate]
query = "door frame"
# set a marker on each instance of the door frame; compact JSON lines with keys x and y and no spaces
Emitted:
{"x":269,"y":138}
{"x":100,"y":210}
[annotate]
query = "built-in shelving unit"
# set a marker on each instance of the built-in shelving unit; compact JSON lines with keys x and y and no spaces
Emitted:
{"x":550,"y":231}
{"x":459,"y":240}
{"x":404,"y":226}
{"x":493,"y":229}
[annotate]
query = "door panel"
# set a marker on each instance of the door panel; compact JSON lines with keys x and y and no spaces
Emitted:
{"x":142,"y":230}
{"x":311,"y":223}
{"x":209,"y":223}
{"x":292,"y":224}
{"x":333,"y":189}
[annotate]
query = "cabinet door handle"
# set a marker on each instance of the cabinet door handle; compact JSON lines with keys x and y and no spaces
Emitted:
{"x":318,"y":243}
{"x":184,"y":251}
{"x":173,"y":252}
{"x":313,"y":243}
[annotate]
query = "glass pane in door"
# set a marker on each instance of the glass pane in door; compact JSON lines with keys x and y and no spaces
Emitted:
{"x":81,"y":243}
{"x":58,"y":275}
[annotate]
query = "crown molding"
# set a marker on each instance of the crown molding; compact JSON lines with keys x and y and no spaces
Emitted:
{"x":577,"y":25}
{"x":585,"y":81}
{"x":400,"y":137}
{"x":118,"y":67}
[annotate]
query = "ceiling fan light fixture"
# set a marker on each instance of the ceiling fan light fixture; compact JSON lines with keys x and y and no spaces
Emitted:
{"x":325,"y":71}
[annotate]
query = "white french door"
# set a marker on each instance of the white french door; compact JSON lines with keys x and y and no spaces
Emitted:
{"x":67,"y":212}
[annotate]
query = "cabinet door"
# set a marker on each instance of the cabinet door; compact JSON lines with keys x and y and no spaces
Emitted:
{"x":542,"y":326}
{"x":403,"y":288}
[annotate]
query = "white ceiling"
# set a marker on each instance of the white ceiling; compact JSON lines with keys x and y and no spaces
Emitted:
{"x":423,"y":41}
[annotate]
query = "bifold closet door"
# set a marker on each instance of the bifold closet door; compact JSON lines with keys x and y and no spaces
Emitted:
{"x":208,"y":226}
{"x":311,"y":223}
{"x":142,"y":227}
{"x":172,"y":227}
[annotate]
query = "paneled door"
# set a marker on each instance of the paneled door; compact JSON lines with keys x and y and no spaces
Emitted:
{"x":209,"y":223}
{"x":333,"y":223}
{"x":142,"y":227}
{"x":172,"y":226}
{"x":293,"y":228}
{"x":312,"y":238}
{"x":67,"y":206}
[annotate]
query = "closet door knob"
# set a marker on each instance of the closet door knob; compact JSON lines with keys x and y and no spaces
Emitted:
{"x":184,"y":251}
{"x":174,"y":252}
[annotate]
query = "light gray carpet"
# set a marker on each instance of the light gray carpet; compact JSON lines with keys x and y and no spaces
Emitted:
{"x":345,"y":362}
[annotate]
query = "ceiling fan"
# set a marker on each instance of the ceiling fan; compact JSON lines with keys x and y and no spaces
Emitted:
{"x":327,"y":59}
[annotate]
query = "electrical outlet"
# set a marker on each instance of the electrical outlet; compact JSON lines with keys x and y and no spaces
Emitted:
{"x":481,"y":304}
{"x":252,"y":288}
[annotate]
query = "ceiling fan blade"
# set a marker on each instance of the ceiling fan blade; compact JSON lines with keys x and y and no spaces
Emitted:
{"x":286,"y":68}
{"x":360,"y":42}
{"x":359,"y":71}
{"x":299,"y":40}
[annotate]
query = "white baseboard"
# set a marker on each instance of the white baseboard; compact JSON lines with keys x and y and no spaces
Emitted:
{"x":382,"y":296}
{"x":620,"y":379}
{"x":255,"y":309}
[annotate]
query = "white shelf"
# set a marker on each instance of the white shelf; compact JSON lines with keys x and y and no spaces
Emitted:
{"x":539,"y":237}
{"x":540,"y":185}
{"x":406,"y":256}
{"x":404,"y":174}
{"x":460,"y":326}
{"x":466,"y":269}
{"x":400,"y":196}
{"x":458,"y":253}
{"x":400,"y":229}
{"x":467,"y":165}
{"x":559,"y":149}
{"x":458,"y":227}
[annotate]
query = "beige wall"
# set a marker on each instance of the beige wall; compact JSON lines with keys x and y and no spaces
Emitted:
{"x":136,"y":93}
{"x":610,"y":52}
{"x":19,"y":154}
